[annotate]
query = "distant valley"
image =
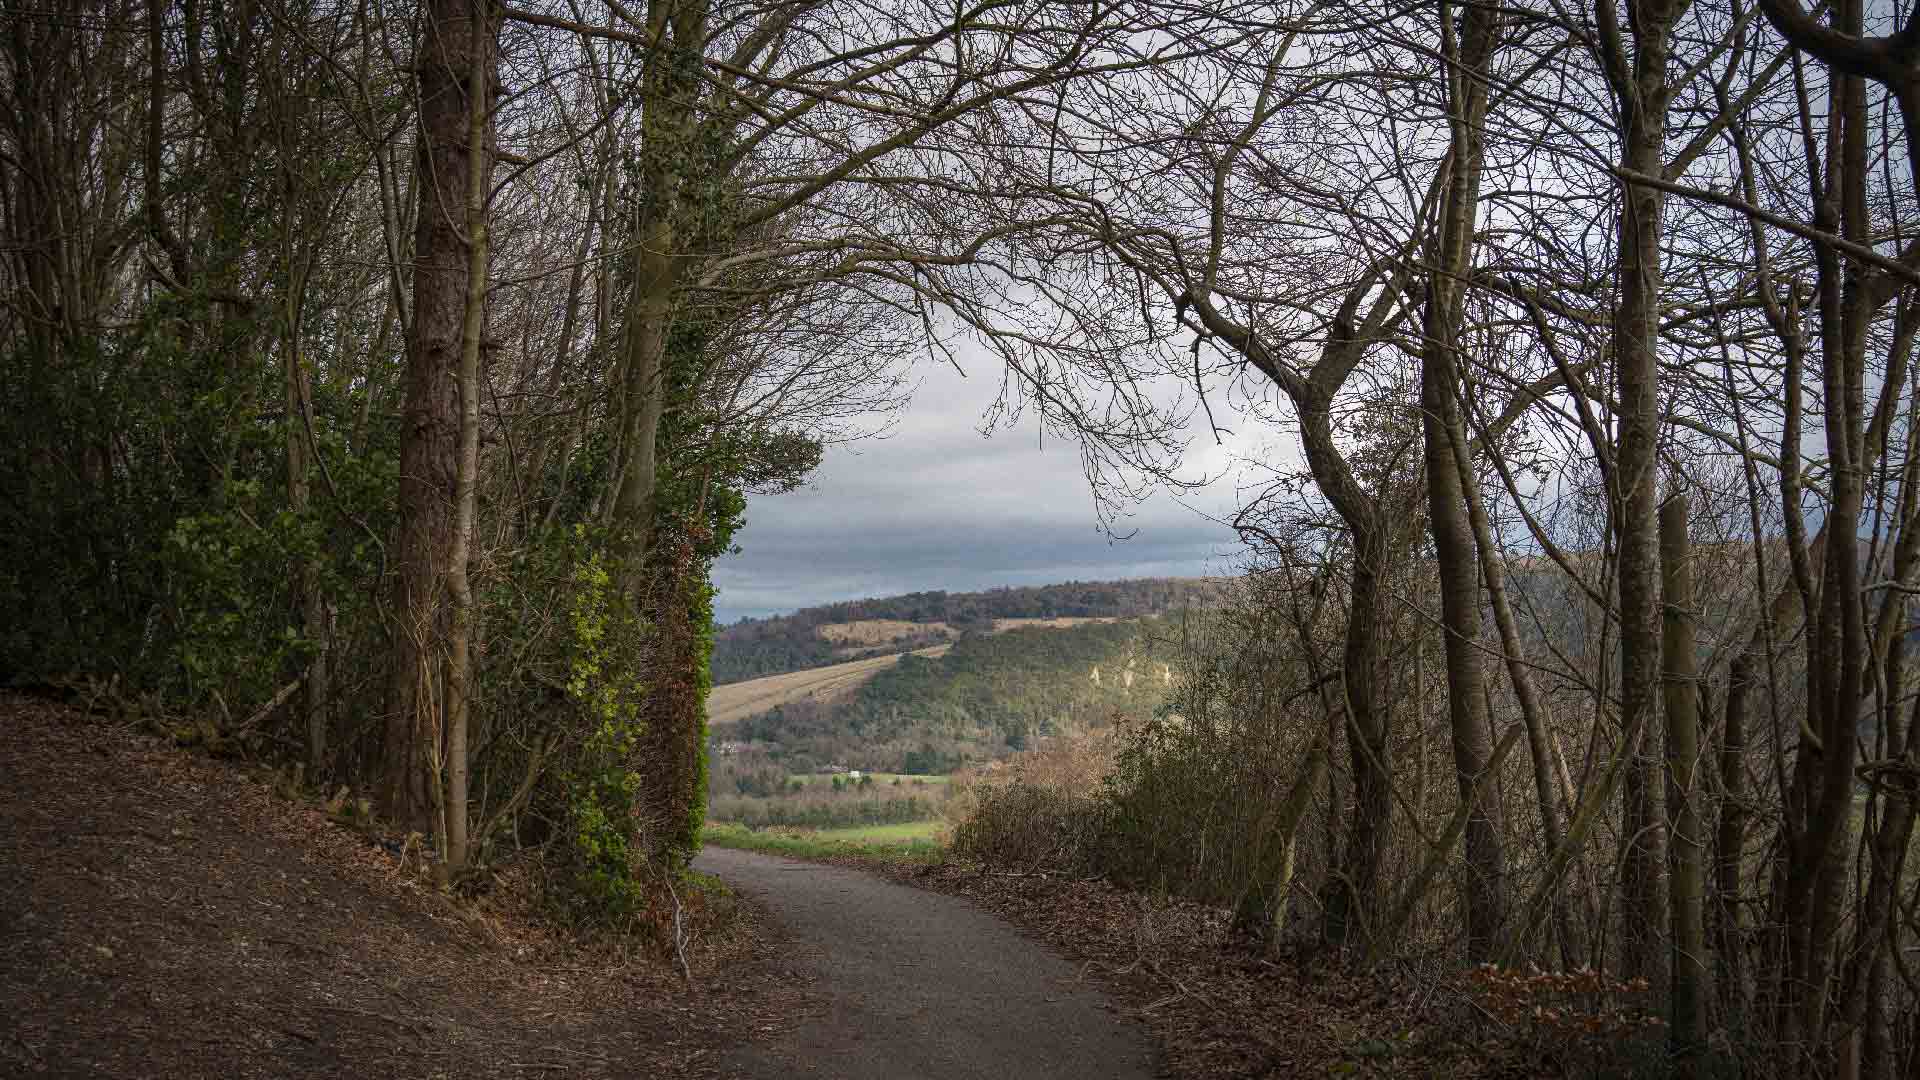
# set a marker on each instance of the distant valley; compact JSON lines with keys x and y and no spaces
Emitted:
{"x":928,"y":682}
{"x":861,"y":629}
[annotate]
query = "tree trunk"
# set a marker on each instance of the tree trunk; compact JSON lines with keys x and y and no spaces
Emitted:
{"x":453,"y":44}
{"x":1547,"y":777}
{"x":1730,"y":837}
{"x":1353,"y":897}
{"x":669,"y":133}
{"x":1645,"y":92}
{"x":1451,"y":256}
{"x":1817,"y":823}
{"x":1865,"y":1002}
{"x":1689,"y":849}
{"x":671,"y":798}
{"x":473,"y":332}
{"x":313,"y":606}
{"x":643,"y":393}
{"x":1824,"y":851}
{"x":1420,"y":724}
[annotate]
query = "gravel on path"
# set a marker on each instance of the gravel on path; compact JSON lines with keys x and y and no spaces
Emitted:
{"x":920,"y":986}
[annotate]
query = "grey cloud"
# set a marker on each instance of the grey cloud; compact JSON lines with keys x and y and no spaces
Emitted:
{"x":937,"y":506}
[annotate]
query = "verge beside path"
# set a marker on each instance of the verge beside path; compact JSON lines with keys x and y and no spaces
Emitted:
{"x":920,"y":986}
{"x":163,"y":915}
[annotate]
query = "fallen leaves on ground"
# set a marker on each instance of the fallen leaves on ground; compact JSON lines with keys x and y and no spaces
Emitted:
{"x":1221,"y":1007}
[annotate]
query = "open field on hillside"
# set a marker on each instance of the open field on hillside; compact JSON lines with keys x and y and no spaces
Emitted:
{"x":854,"y":638}
{"x":870,"y":632}
{"x":736,"y":701}
{"x":1001,"y":626}
{"x":882,"y":778}
{"x":914,"y":841}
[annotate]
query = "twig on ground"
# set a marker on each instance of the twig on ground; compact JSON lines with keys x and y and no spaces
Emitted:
{"x":1162,"y":972}
{"x":1437,"y":984}
{"x":679,"y":932}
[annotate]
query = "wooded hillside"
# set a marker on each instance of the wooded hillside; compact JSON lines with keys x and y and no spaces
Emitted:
{"x":752,"y":648}
{"x":989,"y":696}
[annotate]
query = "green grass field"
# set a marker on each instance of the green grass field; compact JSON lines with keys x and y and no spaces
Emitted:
{"x":880,"y":779}
{"x":914,"y":841}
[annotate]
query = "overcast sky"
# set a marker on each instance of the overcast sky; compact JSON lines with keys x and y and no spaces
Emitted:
{"x":938,"y":506}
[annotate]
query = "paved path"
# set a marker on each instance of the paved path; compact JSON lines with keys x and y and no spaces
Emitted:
{"x":922,"y":986}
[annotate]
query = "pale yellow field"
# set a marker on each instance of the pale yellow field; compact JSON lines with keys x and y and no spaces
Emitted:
{"x":872,"y":632}
{"x":737,"y":701}
{"x":1001,"y":626}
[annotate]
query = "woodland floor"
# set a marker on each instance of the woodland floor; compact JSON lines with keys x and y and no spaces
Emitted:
{"x":164,"y":914}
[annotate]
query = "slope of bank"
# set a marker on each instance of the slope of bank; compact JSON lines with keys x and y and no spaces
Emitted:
{"x":162,"y":914}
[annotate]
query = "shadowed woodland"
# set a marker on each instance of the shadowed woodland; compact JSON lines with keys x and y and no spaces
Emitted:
{"x":382,"y":378}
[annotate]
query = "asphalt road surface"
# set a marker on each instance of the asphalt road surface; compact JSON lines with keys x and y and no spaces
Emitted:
{"x":921,"y":986}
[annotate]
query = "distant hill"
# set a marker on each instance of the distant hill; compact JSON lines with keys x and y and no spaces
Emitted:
{"x":739,"y":700}
{"x":988,"y":696}
{"x":861,"y":629}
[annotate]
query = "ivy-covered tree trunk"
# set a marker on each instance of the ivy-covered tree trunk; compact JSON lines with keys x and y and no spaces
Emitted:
{"x":671,"y":799}
{"x":661,"y":574}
